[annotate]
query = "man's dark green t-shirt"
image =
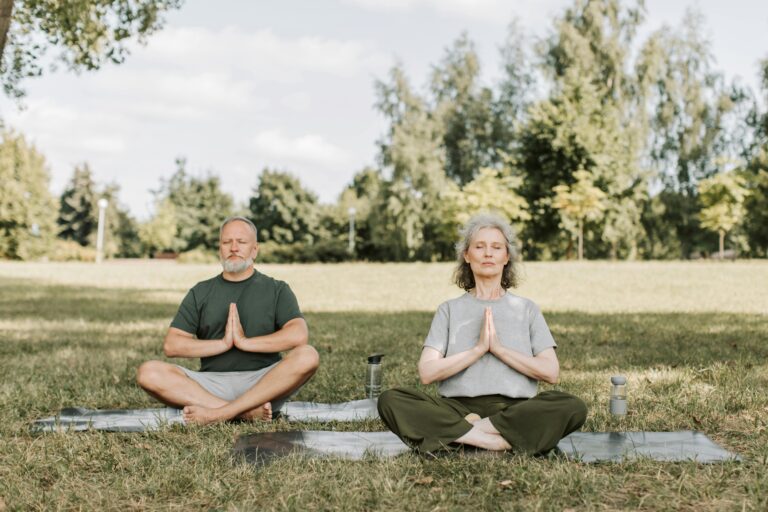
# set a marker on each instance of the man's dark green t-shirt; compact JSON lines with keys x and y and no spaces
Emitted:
{"x":264,"y":305}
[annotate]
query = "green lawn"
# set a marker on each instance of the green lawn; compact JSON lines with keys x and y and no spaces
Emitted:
{"x":691,"y":337}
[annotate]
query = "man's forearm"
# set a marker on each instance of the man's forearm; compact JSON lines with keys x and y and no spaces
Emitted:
{"x":293,"y":334}
{"x":182,"y":346}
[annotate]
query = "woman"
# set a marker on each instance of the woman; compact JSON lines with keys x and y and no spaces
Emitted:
{"x":487,"y":349}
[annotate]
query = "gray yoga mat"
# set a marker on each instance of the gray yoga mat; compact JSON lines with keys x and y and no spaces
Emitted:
{"x":262,"y":448}
{"x":142,"y":420}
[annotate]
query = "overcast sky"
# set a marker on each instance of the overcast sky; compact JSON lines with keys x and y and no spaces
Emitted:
{"x":237,"y":85}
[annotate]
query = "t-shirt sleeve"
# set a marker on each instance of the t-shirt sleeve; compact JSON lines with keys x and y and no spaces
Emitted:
{"x":437,"y":337}
{"x":287,"y":307}
{"x":187,"y":318}
{"x":541,"y":338}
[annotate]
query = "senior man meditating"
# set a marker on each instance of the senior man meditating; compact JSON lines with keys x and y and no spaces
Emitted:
{"x":237,"y":323}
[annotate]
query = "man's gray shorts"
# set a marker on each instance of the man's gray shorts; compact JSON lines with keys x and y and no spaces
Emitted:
{"x":230,"y":385}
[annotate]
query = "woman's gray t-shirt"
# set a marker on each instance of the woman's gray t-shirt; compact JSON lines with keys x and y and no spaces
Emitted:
{"x":519,"y":325}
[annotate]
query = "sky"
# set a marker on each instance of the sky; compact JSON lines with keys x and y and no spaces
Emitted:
{"x":235,"y":86}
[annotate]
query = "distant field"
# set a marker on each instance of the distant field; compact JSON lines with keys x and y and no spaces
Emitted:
{"x":738,"y":287}
{"x":691,"y":336}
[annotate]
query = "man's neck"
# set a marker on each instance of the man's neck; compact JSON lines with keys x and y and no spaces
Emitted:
{"x":240,"y":276}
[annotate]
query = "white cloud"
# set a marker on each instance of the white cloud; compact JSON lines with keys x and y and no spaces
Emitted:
{"x":497,"y":12}
{"x":102,"y":144}
{"x":297,"y":101}
{"x":261,"y":55}
{"x":272,"y":145}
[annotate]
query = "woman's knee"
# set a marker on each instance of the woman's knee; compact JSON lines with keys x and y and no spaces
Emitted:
{"x":576,"y":408}
{"x":388,"y":400}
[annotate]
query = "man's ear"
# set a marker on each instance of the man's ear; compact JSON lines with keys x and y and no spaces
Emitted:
{"x":255,"y":250}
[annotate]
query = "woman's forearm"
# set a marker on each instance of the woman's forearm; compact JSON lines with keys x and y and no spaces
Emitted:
{"x":433,"y":369}
{"x":544,"y":367}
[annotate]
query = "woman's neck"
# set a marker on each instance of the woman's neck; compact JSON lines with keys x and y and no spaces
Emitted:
{"x":488,"y":289}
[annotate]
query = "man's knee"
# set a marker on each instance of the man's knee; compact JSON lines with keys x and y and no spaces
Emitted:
{"x":306,"y":358}
{"x":150,"y":373}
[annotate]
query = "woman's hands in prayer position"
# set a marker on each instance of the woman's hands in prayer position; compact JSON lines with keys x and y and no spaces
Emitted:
{"x":433,"y":366}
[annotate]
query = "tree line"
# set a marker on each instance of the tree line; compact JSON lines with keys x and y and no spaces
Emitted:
{"x":592,"y":143}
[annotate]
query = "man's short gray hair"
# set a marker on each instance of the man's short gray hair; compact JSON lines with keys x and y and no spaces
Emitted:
{"x":463,"y":276}
{"x":241,"y":219}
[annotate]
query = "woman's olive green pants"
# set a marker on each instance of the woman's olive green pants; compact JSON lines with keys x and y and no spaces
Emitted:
{"x":530,"y":425}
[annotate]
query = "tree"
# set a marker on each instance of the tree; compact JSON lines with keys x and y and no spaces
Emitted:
{"x":361,"y":194}
{"x":78,"y":212}
{"x":159,"y":233}
{"x":579,"y":203}
{"x":470,"y":132}
{"x":756,"y":173}
{"x":285,"y":211}
{"x":722,"y":198}
{"x":27,"y":209}
{"x":491,"y":191}
{"x":588,"y":122}
{"x":691,"y":109}
{"x":408,"y":215}
{"x":201,"y":206}
{"x":510,"y":109}
{"x":86,"y":33}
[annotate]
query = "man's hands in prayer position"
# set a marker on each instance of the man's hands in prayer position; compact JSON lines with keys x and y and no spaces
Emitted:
{"x":234,"y":328}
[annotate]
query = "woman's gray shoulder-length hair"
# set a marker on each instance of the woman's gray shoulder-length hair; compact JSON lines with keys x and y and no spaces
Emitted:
{"x":463,"y":276}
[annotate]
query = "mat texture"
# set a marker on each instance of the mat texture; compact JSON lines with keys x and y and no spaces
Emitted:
{"x":141,"y":420}
{"x":262,"y":448}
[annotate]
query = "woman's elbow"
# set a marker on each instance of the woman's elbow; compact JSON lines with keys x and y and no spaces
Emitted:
{"x":425,"y":378}
{"x":552,"y":376}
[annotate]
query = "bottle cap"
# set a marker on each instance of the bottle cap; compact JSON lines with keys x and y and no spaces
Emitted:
{"x":375,"y":358}
{"x":618,"y":380}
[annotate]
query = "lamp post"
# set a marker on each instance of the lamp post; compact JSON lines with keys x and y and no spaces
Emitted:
{"x":103,"y":203}
{"x":351,"y":212}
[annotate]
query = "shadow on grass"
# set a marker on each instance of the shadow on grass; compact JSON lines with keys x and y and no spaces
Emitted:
{"x":20,"y":299}
{"x":587,"y":342}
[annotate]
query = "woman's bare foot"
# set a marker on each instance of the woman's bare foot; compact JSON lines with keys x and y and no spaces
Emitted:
{"x":472,"y":418}
{"x":484,"y":440}
{"x":202,"y":415}
{"x":260,"y":413}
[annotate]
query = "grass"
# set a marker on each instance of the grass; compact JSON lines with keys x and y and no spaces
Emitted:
{"x":691,"y":337}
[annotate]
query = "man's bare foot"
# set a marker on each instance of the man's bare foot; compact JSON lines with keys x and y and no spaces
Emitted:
{"x":472,"y":418}
{"x":261,"y":413}
{"x":202,"y":415}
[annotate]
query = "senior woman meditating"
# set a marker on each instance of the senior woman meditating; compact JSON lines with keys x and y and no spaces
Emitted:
{"x":488,"y":349}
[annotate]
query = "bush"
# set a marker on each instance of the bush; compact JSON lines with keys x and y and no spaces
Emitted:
{"x":69,"y":250}
{"x":197,"y":255}
{"x":325,"y":251}
{"x":273,"y":252}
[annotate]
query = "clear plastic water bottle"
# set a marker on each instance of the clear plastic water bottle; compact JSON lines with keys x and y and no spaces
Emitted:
{"x":373,"y":376}
{"x":618,"y":402}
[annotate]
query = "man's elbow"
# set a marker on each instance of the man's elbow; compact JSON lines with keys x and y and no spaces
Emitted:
{"x":301,"y":337}
{"x":169,"y":349}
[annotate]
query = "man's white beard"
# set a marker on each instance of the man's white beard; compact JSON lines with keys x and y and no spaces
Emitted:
{"x":236,"y":266}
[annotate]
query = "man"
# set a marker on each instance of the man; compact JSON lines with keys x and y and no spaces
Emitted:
{"x":237,"y":323}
